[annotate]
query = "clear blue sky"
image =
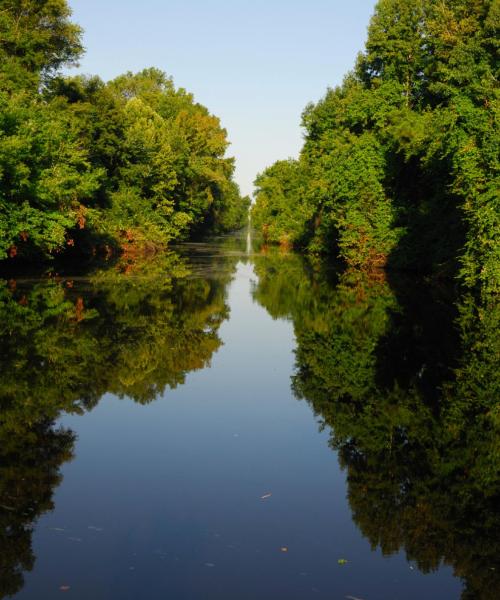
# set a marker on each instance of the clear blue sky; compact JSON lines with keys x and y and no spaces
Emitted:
{"x":255,"y":64}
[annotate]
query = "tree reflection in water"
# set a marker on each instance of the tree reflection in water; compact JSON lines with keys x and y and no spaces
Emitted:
{"x":407,"y":379}
{"x":404,"y":375}
{"x":133,"y":331}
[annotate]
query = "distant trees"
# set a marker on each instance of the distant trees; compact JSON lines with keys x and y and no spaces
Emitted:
{"x":92,"y":165}
{"x":400,"y":163}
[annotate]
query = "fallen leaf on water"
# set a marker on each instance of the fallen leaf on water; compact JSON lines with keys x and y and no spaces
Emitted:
{"x":265,"y":496}
{"x":342,"y":561}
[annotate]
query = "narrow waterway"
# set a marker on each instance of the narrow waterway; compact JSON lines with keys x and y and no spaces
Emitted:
{"x":232,"y":425}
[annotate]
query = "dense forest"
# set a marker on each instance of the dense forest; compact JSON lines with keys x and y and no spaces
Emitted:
{"x":88,"y":166}
{"x":399,"y":166}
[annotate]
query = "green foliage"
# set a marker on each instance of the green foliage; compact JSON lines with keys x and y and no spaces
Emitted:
{"x":400,"y":163}
{"x":281,"y":213}
{"x":89,"y":165}
{"x":45,"y":175}
{"x":36,"y":39}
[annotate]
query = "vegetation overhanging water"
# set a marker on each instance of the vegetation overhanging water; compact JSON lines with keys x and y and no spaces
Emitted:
{"x":157,"y":395}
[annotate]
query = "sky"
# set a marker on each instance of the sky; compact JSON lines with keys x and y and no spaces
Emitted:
{"x":255,"y":65}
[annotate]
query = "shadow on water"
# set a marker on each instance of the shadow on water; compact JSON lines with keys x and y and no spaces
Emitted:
{"x":407,"y":379}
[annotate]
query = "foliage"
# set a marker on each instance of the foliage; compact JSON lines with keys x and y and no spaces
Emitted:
{"x":90,"y":165}
{"x":45,"y":176}
{"x":400,"y":162}
{"x":36,"y":39}
{"x":280,"y":193}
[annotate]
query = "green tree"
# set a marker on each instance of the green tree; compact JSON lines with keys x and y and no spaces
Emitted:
{"x":279,"y":212}
{"x":45,"y":176}
{"x":36,"y":39}
{"x":98,"y":168}
{"x":400,"y":162}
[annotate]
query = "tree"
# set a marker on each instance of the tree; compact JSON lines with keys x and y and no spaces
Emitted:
{"x":95,"y":168}
{"x":36,"y":39}
{"x":402,"y":159}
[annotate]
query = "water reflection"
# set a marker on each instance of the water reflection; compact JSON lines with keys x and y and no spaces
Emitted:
{"x":404,"y":376}
{"x":134,"y":331}
{"x":30,"y":458}
{"x":407,"y":378}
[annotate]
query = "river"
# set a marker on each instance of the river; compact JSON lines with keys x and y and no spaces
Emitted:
{"x":229,"y":423}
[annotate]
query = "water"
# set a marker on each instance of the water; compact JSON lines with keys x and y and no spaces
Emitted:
{"x":219,"y":423}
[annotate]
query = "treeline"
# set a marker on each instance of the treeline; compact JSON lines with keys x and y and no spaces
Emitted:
{"x":93,"y":166}
{"x":399,"y":166}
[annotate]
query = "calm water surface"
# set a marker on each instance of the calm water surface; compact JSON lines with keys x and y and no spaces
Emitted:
{"x":222,"y":425}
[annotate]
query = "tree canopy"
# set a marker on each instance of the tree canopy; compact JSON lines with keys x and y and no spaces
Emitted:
{"x":98,"y":166}
{"x":399,"y":166}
